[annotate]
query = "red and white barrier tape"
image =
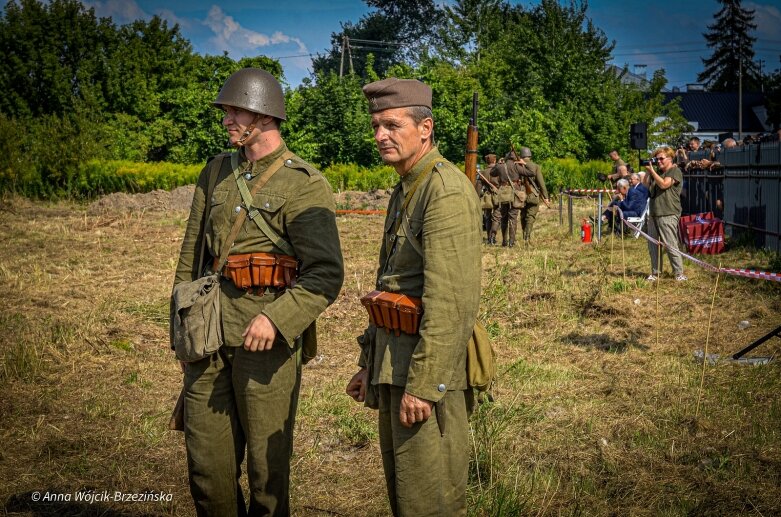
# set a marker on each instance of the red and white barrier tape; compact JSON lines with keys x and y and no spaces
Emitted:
{"x":590,"y":191}
{"x":749,"y":273}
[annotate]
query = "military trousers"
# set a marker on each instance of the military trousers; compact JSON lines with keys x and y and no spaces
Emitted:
{"x":237,"y":400}
{"x":665,"y":229}
{"x":505,"y":217}
{"x":528,"y":216}
{"x":425,"y":471}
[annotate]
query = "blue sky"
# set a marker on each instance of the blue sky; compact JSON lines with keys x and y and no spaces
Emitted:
{"x":659,"y":34}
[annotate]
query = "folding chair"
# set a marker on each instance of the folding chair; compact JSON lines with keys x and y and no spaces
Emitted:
{"x":640,"y":221}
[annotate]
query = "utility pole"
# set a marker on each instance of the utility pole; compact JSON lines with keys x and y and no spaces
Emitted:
{"x":740,"y":99}
{"x":761,"y":77}
{"x":350,"y":54}
{"x":341,"y":63}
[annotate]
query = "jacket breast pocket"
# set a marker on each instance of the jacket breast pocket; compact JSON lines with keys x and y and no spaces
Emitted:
{"x":410,"y":245}
{"x":219,"y":214}
{"x":272,"y":208}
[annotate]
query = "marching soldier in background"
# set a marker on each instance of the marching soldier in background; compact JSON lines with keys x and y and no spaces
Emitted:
{"x":510,"y":199}
{"x":487,"y":191}
{"x":535,"y":192}
{"x":429,"y":258}
{"x":243,"y":398}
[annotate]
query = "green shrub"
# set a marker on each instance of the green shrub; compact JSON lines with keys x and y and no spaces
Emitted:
{"x":563,"y":173}
{"x":354,"y":177}
{"x":97,"y":177}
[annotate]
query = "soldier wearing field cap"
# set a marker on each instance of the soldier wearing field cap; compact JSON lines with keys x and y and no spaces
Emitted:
{"x":283,"y":268}
{"x":430,"y":252}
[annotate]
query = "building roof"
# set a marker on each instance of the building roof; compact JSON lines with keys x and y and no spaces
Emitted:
{"x":718,"y":111}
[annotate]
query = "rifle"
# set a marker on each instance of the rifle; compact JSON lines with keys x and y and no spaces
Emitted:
{"x":470,"y":160}
{"x":486,"y":182}
{"x":530,"y":182}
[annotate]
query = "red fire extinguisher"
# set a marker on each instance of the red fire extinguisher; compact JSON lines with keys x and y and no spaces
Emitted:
{"x":585,"y":231}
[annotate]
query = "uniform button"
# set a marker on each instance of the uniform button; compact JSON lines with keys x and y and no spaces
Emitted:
{"x":267,"y":205}
{"x":288,"y":162}
{"x":248,"y":176}
{"x":392,"y":238}
{"x":237,"y":209}
{"x":441,"y":388}
{"x":439,"y":164}
{"x":214,"y":199}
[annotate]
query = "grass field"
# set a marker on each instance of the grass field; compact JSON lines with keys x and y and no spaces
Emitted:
{"x":601,"y":408}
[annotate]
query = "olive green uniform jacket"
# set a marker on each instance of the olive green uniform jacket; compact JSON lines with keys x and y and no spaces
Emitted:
{"x":534,"y":173}
{"x":235,"y":399}
{"x":298,"y":204}
{"x":444,"y":218}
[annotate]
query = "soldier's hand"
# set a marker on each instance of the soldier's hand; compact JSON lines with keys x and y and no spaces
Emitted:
{"x":259,"y":334}
{"x":356,"y":388}
{"x":414,"y":410}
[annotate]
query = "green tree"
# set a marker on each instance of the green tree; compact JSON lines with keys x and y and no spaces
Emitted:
{"x":733,"y":50}
{"x":54,"y":57}
{"x":328,"y":121}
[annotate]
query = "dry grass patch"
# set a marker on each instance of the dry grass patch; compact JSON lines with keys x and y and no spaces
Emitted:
{"x":598,"y":406}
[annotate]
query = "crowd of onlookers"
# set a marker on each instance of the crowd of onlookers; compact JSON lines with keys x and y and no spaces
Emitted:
{"x":697,"y":155}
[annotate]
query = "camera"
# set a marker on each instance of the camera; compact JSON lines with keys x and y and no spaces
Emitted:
{"x":652,"y":161}
{"x":601,"y":176}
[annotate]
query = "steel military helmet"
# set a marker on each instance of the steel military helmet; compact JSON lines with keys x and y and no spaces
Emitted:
{"x":254,"y":90}
{"x":526,"y":152}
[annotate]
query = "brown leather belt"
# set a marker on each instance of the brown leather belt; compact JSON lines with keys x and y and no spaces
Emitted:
{"x":393,"y":311}
{"x":260,"y":270}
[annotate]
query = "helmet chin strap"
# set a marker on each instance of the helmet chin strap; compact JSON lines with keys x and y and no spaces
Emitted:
{"x":247,"y":132}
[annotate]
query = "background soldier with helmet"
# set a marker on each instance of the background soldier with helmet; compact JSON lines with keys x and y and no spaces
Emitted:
{"x":283,"y":269}
{"x":535,"y":192}
{"x":510,"y":199}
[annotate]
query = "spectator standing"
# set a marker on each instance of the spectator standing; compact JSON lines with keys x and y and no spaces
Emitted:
{"x":664,"y":187}
{"x":619,"y":169}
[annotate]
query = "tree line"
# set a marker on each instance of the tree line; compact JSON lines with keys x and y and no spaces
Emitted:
{"x":75,"y":87}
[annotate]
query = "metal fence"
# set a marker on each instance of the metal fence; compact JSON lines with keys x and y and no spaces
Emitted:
{"x":745,"y":193}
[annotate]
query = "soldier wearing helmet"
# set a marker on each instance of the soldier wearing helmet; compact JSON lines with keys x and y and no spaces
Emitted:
{"x":535,"y":192}
{"x":282,"y":267}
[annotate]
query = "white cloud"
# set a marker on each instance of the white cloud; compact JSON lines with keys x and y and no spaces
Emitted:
{"x":120,"y":11}
{"x":172,"y":18}
{"x":768,"y":20}
{"x":231,"y":36}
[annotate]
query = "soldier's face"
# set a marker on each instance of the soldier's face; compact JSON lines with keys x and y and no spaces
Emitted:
{"x":236,"y":121}
{"x":399,"y":139}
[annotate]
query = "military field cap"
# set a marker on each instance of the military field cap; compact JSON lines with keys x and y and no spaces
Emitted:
{"x":397,"y":93}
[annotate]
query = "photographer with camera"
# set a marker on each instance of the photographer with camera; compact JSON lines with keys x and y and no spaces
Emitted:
{"x":619,"y":169}
{"x":664,"y":187}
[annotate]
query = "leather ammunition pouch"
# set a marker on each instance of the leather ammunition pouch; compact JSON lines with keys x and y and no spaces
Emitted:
{"x":260,"y":270}
{"x":393,"y":311}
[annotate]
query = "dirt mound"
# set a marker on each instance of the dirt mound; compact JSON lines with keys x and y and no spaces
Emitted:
{"x":356,"y":200}
{"x":180,"y":199}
